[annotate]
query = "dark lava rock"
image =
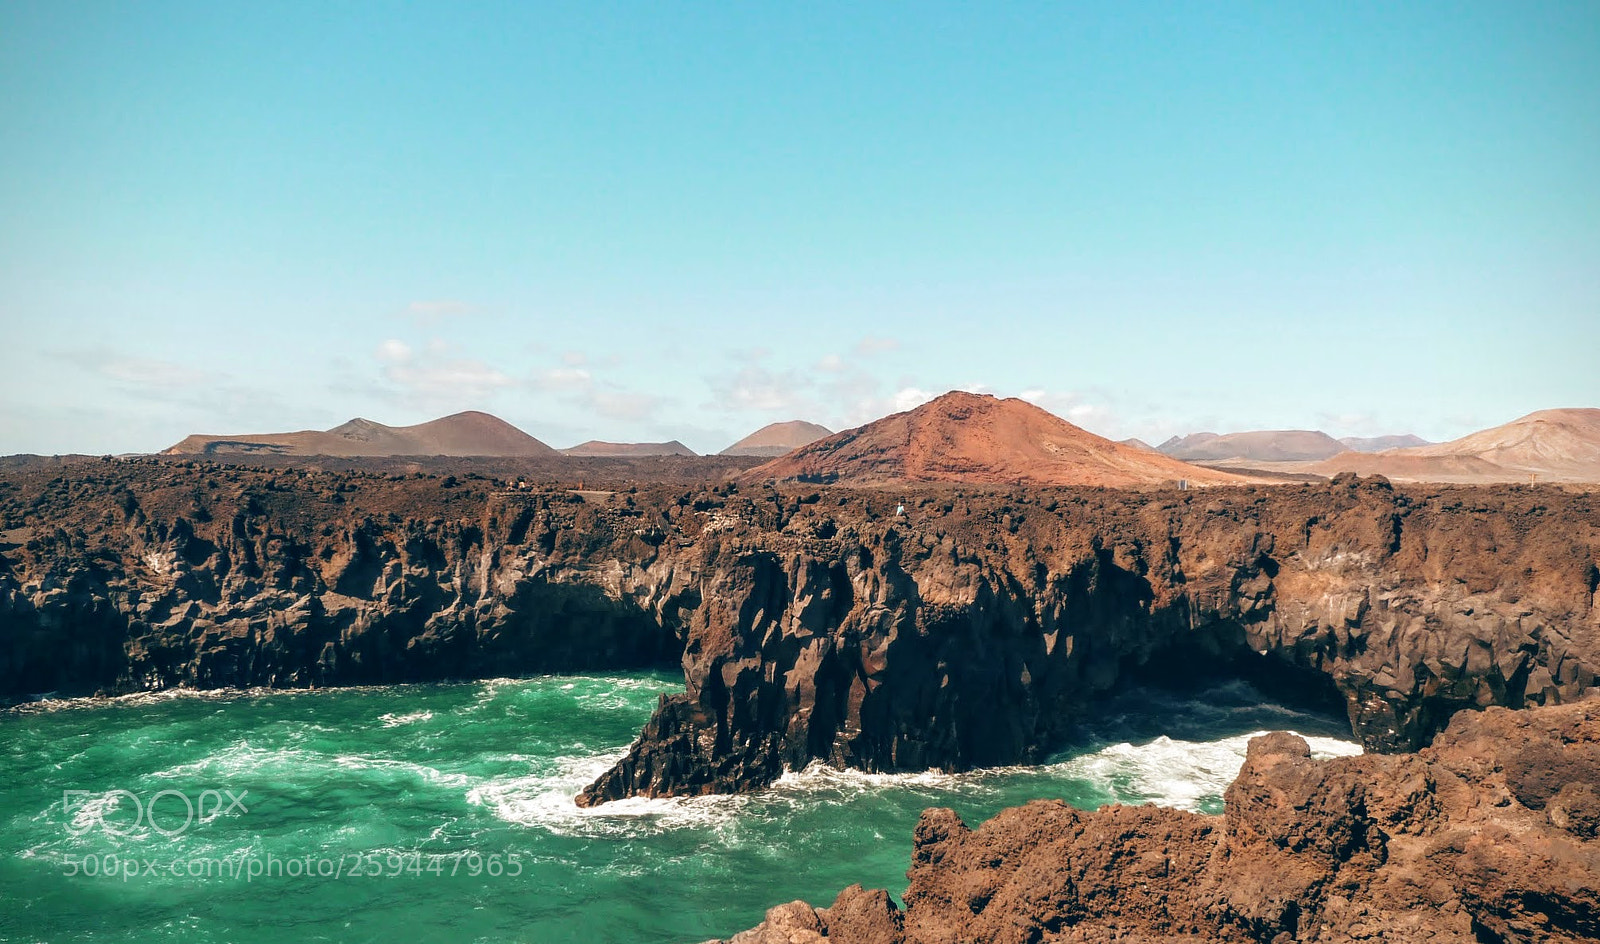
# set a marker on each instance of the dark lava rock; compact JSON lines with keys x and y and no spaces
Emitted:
{"x":1431,"y":847}
{"x":810,"y":623}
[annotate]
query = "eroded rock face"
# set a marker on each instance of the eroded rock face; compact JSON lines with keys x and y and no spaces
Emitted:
{"x":810,"y":624}
{"x":1470,"y":840}
{"x":972,"y":633}
{"x":129,"y":577}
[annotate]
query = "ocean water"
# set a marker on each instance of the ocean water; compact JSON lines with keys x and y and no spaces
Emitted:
{"x":444,"y":813}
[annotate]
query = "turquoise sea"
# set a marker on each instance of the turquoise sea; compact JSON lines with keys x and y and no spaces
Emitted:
{"x":444,"y":813}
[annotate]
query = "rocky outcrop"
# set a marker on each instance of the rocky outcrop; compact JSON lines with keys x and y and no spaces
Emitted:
{"x":1490,"y":835}
{"x":130,"y":577}
{"x":809,"y":623}
{"x":973,"y":632}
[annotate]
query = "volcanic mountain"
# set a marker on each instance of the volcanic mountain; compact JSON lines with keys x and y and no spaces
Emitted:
{"x":966,"y":437}
{"x":462,"y":434}
{"x":1557,"y":445}
{"x":775,"y":439}
{"x":1266,"y":445}
{"x":597,"y":447}
{"x":1380,"y":443}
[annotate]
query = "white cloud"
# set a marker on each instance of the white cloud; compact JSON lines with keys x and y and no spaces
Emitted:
{"x":461,"y":379}
{"x":763,"y":390}
{"x":148,"y":400}
{"x":579,"y":387}
{"x":433,"y":377}
{"x":621,"y":404}
{"x":141,"y":376}
{"x":563,"y":378}
{"x":756,"y":388}
{"x":831,"y":363}
{"x":1076,"y":408}
{"x":394,"y":351}
{"x":150,"y":372}
{"x":871,"y":345}
{"x":909,"y":398}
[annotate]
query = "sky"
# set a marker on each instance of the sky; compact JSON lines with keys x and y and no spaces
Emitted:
{"x":641,"y":222}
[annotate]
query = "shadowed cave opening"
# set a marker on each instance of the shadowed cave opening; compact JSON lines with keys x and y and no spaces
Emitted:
{"x":1246,"y":688}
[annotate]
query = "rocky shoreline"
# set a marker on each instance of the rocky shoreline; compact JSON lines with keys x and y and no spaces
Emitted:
{"x":1492,"y":834}
{"x":810,"y":623}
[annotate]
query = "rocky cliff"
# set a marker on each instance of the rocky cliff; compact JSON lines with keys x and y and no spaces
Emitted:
{"x":810,"y":623}
{"x":120,"y":576}
{"x":973,"y":630}
{"x":1490,"y":835}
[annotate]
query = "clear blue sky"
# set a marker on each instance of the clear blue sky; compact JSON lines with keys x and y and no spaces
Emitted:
{"x":651,"y":221}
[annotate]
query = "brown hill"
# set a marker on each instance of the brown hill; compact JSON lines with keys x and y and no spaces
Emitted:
{"x":597,"y":447}
{"x":463,"y":434}
{"x":775,"y":439}
{"x":1380,"y":443}
{"x":1554,"y":445}
{"x":965,"y":437}
{"x":1265,"y":445}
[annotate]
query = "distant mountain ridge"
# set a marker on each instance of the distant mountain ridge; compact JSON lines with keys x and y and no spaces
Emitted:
{"x":1554,"y":445}
{"x":963,"y":437}
{"x":775,"y":439}
{"x":1380,"y":443}
{"x":1267,"y":445}
{"x":599,"y":447}
{"x":471,"y":433}
{"x":975,"y":438}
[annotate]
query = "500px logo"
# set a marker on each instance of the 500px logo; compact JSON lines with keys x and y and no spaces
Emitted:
{"x":87,"y":809}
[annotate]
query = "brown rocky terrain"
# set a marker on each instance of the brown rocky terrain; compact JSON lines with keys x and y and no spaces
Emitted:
{"x":809,"y":623}
{"x":1267,"y":445}
{"x":596,"y":447}
{"x":1490,"y":835}
{"x":978,"y":439}
{"x":1550,"y":445}
{"x":969,"y":632}
{"x":461,"y":434}
{"x":553,"y":469}
{"x":812,"y":622}
{"x":775,"y":439}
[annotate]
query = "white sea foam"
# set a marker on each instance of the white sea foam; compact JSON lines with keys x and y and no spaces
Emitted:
{"x":1176,"y":773}
{"x":546,"y":801}
{"x":46,"y":703}
{"x":821,"y":778}
{"x":1163,"y":771}
{"x":238,"y":759}
{"x":393,"y":720}
{"x":241,"y":760}
{"x":1167,"y":772}
{"x":422,"y":771}
{"x":591,"y":691}
{"x":1187,"y":774}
